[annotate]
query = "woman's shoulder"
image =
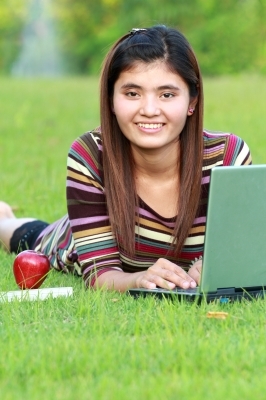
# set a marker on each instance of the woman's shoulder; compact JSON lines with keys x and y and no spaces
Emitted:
{"x":86,"y":150}
{"x":210,"y":136}
{"x":226,"y":147}
{"x":92,"y":138}
{"x":88,"y":144}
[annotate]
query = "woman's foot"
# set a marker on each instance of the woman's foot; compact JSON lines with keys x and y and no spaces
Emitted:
{"x":6,"y":211}
{"x":8,"y":224}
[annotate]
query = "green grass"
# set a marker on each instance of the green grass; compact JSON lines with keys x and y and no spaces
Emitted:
{"x":98,"y":345}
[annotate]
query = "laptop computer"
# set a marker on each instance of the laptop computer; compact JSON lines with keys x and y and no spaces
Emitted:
{"x":234,"y":261}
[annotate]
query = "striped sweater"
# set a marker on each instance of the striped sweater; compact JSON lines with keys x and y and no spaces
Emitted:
{"x":82,"y":241}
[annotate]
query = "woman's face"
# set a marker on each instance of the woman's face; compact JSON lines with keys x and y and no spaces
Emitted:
{"x":151,"y":105}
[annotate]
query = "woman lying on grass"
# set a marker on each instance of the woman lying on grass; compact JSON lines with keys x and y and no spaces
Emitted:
{"x":137,"y":188}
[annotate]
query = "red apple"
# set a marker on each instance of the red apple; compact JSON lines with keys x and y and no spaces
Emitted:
{"x":30,"y":269}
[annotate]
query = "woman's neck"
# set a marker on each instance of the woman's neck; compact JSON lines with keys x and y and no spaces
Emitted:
{"x":157,"y":180}
{"x":154,"y":163}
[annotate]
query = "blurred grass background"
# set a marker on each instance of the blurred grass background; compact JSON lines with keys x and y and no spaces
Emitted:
{"x":42,"y":118}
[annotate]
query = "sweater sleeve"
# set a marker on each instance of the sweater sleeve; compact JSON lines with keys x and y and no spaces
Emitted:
{"x":86,"y":202}
{"x":236,"y":152}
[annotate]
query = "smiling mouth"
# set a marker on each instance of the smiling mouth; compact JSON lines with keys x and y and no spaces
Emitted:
{"x":150,"y":126}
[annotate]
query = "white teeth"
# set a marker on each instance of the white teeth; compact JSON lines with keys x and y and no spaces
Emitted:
{"x":150,"y":126}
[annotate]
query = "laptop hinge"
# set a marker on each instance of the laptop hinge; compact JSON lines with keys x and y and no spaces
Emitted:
{"x":226,"y":291}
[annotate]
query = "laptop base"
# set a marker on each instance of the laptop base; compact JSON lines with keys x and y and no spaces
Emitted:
{"x":194,"y":295}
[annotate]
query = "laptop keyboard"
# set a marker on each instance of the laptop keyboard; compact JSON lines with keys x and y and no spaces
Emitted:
{"x":178,"y":290}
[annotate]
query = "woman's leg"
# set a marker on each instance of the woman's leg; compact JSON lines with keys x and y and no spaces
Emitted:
{"x":8,"y":224}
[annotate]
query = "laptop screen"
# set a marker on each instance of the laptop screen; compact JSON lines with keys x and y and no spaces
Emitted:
{"x":235,"y":239}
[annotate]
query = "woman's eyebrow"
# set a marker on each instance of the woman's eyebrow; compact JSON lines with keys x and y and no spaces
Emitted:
{"x":132,"y":85}
{"x":169,"y":86}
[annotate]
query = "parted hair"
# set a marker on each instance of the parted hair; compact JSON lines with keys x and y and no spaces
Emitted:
{"x":147,"y":46}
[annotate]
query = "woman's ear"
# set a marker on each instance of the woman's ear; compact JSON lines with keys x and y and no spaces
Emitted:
{"x":192,"y":106}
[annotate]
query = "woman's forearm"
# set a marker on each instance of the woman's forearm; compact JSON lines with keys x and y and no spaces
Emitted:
{"x":163,"y":273}
{"x":117,"y":280}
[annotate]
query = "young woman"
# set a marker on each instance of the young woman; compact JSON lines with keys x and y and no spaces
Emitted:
{"x":137,"y":188}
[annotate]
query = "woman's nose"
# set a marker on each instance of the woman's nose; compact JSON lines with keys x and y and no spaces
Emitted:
{"x":149,"y":107}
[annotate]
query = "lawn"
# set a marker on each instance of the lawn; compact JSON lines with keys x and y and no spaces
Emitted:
{"x":98,"y":345}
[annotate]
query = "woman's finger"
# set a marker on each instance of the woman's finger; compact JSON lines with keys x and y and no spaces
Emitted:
{"x":173,"y":273}
{"x":195,"y":271}
{"x":153,"y":281}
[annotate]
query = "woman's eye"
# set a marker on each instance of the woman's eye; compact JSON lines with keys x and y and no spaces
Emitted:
{"x":131,"y":94}
{"x":168,"y":95}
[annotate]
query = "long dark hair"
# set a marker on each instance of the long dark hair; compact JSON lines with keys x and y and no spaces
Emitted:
{"x":149,"y":45}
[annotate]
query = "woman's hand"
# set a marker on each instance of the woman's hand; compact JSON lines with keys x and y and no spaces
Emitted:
{"x":165,"y":274}
{"x":195,"y":271}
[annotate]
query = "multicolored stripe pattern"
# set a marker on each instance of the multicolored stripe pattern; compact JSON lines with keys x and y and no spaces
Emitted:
{"x":82,"y":241}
